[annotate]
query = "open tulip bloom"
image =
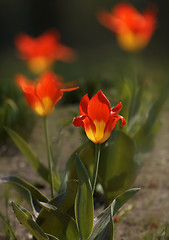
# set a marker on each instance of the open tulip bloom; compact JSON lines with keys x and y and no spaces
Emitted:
{"x":41,"y":52}
{"x":97,"y":117}
{"x":43,"y":94}
{"x":133,"y":29}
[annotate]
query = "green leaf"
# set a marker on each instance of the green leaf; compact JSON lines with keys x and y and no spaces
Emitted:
{"x":86,"y":149}
{"x":26,"y":219}
{"x":57,"y":223}
{"x":117,"y":169}
{"x":50,"y":237}
{"x":8,"y":227}
{"x":84,"y":210}
{"x":65,"y":201}
{"x":31,"y":194}
{"x":100,"y":228}
{"x":31,"y":157}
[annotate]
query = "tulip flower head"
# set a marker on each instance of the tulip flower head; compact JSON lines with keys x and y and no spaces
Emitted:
{"x":97,"y":118}
{"x":133,"y":29}
{"x":41,"y":52}
{"x":43,"y":94}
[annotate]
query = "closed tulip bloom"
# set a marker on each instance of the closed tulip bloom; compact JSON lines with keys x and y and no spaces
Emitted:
{"x":133,"y":29}
{"x":41,"y":52}
{"x":44,"y":93}
{"x":97,"y":118}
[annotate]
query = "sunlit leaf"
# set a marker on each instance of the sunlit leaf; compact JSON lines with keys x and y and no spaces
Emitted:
{"x":84,"y":210}
{"x":31,"y":157}
{"x":50,"y":237}
{"x":31,"y":194}
{"x":100,"y":228}
{"x":26,"y":219}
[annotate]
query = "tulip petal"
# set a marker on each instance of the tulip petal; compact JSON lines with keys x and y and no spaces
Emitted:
{"x":48,"y":86}
{"x":78,"y":121}
{"x":90,"y":129}
{"x":117,"y":108}
{"x":99,"y":108}
{"x":28,"y":88}
{"x":84,"y":104}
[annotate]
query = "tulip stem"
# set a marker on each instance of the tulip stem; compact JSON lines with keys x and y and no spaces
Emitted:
{"x":49,"y":155}
{"x":96,"y":166}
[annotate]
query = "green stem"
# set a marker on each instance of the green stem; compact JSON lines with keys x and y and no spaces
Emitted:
{"x":49,"y":155}
{"x":96,"y":166}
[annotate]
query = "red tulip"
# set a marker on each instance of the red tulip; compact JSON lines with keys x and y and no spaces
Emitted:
{"x":133,"y":29}
{"x":97,"y":118}
{"x":43,"y":94}
{"x":41,"y":52}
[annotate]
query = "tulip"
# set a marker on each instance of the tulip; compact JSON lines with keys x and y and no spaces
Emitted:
{"x":41,"y":52}
{"x":97,"y":118}
{"x":133,"y":29}
{"x":43,"y":94}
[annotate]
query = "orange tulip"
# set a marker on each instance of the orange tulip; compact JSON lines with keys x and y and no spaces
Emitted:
{"x":133,"y":29}
{"x":43,"y":94}
{"x":41,"y":52}
{"x":97,"y":118}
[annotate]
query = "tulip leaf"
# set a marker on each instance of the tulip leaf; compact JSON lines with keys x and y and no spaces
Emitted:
{"x":51,"y":237}
{"x":65,"y":201}
{"x":86,"y":149}
{"x":31,"y":157}
{"x":31,"y":194}
{"x":26,"y":219}
{"x":84,"y":210}
{"x":102,"y":223}
{"x":57,"y":223}
{"x":117,"y":167}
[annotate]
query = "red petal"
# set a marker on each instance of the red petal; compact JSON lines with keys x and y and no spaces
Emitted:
{"x":78,"y":121}
{"x":99,"y":107}
{"x":28,"y":88}
{"x":84,"y":104}
{"x":117,"y":108}
{"x":112,"y":122}
{"x":64,"y":53}
{"x":69,"y":89}
{"x":123,"y":121}
{"x":48,"y":86}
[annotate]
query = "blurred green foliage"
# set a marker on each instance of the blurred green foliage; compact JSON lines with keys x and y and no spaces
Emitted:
{"x":14,"y":111}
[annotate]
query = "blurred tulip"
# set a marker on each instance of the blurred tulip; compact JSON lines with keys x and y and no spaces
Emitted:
{"x":133,"y":29}
{"x":43,"y":94}
{"x":41,"y":52}
{"x":97,"y":118}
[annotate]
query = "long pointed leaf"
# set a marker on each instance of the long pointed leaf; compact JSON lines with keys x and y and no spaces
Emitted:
{"x":57,"y":223}
{"x":103,"y":219}
{"x":28,"y":191}
{"x":26,"y":219}
{"x":84,"y":210}
{"x":31,"y":157}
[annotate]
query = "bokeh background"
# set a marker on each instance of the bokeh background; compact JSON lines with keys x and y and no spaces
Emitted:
{"x":100,"y":62}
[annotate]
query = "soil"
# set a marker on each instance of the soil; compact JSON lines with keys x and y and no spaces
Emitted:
{"x":144,"y":216}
